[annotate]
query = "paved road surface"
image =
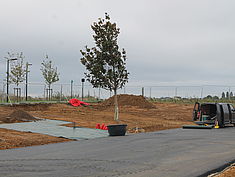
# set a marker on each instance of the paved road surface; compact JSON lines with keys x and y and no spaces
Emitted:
{"x":176,"y":153}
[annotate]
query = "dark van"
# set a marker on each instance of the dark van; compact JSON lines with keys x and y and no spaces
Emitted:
{"x":220,"y":114}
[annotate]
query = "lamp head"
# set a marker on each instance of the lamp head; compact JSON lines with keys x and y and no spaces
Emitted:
{"x":12,"y":59}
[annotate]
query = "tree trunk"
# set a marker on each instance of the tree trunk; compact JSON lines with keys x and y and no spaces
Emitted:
{"x":116,"y":106}
{"x":49,"y":92}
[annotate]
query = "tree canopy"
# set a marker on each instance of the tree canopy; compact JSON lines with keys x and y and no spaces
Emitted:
{"x":18,"y":70}
{"x":105,"y":63}
{"x":49,"y":72}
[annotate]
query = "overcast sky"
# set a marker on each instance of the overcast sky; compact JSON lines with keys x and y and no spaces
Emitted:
{"x":168,"y":42}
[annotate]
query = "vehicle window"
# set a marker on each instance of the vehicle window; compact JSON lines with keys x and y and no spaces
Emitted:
{"x":196,"y":107}
{"x":231,"y":107}
{"x":225,"y":108}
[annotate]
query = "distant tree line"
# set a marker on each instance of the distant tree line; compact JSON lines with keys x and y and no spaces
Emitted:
{"x":224,"y":96}
{"x":227,"y":95}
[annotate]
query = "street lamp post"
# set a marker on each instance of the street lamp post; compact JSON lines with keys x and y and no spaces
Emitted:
{"x":71,"y":89}
{"x":26,"y":80}
{"x":83,"y":80}
{"x":8,"y":61}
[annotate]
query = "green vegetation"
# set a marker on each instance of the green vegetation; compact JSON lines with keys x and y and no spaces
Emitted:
{"x":105,"y":63}
{"x":192,"y":100}
{"x":49,"y":72}
{"x":50,"y":75}
{"x":18,"y":69}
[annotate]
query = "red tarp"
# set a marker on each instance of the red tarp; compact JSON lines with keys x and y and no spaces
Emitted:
{"x":75,"y":102}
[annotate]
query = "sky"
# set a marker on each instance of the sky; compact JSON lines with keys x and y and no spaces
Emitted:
{"x":168,"y":42}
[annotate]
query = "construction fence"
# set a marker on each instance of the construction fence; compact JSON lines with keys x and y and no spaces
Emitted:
{"x":62,"y":92}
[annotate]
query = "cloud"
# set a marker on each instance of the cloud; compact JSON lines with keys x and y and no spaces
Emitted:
{"x":180,"y":41}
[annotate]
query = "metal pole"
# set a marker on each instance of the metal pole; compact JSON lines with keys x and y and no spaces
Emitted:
{"x":143,"y":91}
{"x":3,"y":89}
{"x":26,"y":83}
{"x":83,"y":80}
{"x":26,"y":80}
{"x":82,"y":90}
{"x":61,"y":92}
{"x":175,"y":91}
{"x":7,"y":80}
{"x":201,"y":92}
{"x":99,"y":92}
{"x":71,"y":89}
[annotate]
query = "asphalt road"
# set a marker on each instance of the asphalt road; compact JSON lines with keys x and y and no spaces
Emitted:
{"x":176,"y":153}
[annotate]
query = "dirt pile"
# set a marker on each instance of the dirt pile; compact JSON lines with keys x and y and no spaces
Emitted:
{"x":129,"y":100}
{"x":32,"y":107}
{"x":18,"y":116}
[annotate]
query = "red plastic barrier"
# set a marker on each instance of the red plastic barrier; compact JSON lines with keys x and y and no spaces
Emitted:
{"x":97,"y":126}
{"x":102,"y":127}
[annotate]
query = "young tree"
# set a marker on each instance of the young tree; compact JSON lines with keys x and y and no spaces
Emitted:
{"x":18,"y":69}
{"x":227,"y":95}
{"x":49,"y":72}
{"x":223,"y":95}
{"x":231,"y":95}
{"x":105,"y":63}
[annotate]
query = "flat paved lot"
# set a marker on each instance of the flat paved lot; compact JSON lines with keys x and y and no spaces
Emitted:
{"x":176,"y":152}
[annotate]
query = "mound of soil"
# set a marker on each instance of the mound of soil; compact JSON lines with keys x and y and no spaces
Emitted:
{"x":129,"y":100}
{"x":18,"y":116}
{"x":32,"y":107}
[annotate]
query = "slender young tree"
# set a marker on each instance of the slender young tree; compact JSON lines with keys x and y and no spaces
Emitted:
{"x":227,"y":95}
{"x":18,"y":69}
{"x":49,"y":72}
{"x":231,"y":95}
{"x":105,"y":63}
{"x":223,"y":95}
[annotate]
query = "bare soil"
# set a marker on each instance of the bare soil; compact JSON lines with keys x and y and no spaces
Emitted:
{"x":139,"y":114}
{"x":18,"y":116}
{"x":230,"y":172}
{"x":136,"y":111}
{"x":128,"y":100}
{"x":15,"y":139}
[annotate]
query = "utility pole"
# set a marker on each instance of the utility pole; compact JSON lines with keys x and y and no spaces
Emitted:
{"x":83,"y":80}
{"x":99,"y":93}
{"x":71,"y":89}
{"x":26,"y":80}
{"x":201,"y":92}
{"x":61,"y":92}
